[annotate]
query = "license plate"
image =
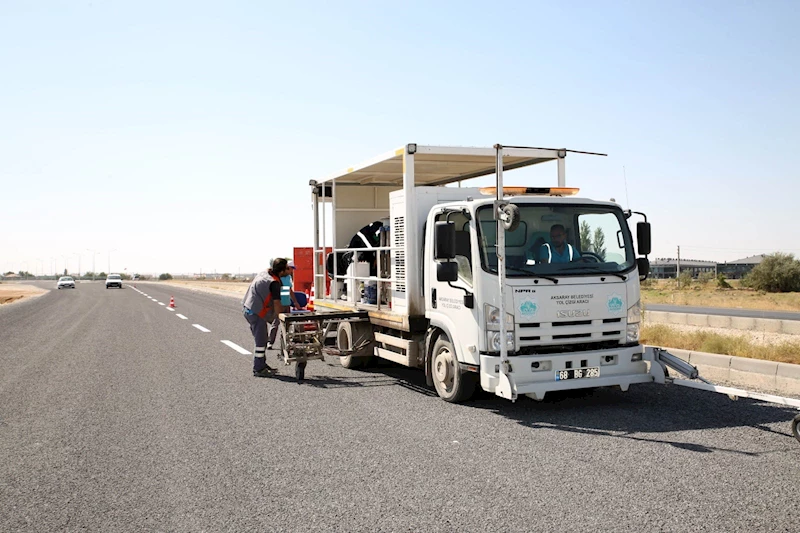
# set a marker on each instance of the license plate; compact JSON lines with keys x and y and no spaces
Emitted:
{"x":578,"y":373}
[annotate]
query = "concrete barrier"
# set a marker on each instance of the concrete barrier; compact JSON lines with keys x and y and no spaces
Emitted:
{"x":719,"y":321}
{"x":697,"y":320}
{"x":790,"y":327}
{"x":768,"y":325}
{"x":788,"y":378}
{"x":743,"y":322}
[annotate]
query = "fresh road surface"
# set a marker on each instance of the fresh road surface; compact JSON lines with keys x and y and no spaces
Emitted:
{"x":118,"y":414}
{"x":725,"y":311}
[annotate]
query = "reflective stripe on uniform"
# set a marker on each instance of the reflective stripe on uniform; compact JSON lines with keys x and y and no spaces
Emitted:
{"x":550,"y":252}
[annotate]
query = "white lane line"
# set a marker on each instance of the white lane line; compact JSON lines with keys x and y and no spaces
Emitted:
{"x":169,"y":309}
{"x":235,"y":347}
{"x":201,"y":328}
{"x":161,"y":303}
{"x":180,"y":316}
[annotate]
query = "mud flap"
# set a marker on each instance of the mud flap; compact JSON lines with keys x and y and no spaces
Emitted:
{"x":505,"y":389}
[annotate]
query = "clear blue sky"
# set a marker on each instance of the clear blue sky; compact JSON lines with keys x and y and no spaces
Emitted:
{"x":183,"y":134}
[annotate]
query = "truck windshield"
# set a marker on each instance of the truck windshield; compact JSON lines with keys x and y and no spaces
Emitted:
{"x":559,"y":239}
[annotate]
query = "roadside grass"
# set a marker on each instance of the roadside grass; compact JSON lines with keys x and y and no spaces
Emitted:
{"x":708,"y":295}
{"x":738,"y":345}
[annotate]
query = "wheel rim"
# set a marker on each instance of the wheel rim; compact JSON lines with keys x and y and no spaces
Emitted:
{"x":444,"y":369}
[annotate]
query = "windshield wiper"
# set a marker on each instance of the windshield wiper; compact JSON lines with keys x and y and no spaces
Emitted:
{"x":533,"y":274}
{"x":593,"y":270}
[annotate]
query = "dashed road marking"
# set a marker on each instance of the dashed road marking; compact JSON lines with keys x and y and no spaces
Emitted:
{"x":201,"y":328}
{"x":169,"y":309}
{"x":180,"y":316}
{"x":161,"y":303}
{"x":235,"y":347}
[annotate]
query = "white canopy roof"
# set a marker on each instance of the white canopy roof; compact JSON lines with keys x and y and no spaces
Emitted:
{"x":440,"y":165}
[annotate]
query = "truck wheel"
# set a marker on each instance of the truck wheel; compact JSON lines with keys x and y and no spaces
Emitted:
{"x":451,"y":384}
{"x":796,"y":427}
{"x":351,"y":334}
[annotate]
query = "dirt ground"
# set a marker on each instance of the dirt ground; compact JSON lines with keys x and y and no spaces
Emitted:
{"x":16,"y":292}
{"x":664,"y":292}
{"x":219,"y":287}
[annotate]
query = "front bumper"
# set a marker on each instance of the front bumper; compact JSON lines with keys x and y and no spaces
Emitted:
{"x":535,"y":375}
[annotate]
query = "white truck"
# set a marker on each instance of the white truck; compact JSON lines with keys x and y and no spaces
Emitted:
{"x":467,"y":283}
{"x":523,"y":290}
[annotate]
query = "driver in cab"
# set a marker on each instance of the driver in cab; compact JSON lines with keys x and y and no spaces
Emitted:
{"x":558,"y":250}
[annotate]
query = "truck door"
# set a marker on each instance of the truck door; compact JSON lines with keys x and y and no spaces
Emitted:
{"x":451,"y":305}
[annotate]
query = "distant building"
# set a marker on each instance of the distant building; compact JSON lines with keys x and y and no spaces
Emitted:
{"x":663,"y":268}
{"x":739,"y":268}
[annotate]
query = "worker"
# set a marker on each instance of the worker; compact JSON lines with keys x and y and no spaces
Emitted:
{"x":558,"y":250}
{"x":261,"y":307}
{"x":288,"y":298}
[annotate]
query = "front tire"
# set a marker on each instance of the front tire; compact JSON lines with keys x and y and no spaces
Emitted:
{"x":451,"y":384}
{"x":796,"y":427}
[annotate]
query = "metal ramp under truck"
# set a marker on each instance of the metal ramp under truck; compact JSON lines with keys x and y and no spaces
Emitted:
{"x":303,"y":338}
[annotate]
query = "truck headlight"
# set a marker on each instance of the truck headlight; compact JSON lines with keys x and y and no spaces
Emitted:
{"x":632,"y":333}
{"x":493,"y":338}
{"x":492,"y":315}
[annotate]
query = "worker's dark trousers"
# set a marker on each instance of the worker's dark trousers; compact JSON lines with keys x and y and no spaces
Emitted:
{"x":258,"y":327}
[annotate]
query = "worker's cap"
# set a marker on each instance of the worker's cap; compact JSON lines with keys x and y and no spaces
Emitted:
{"x":291,"y":265}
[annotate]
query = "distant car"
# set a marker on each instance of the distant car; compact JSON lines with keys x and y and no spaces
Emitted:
{"x":66,"y":282}
{"x":114,"y":280}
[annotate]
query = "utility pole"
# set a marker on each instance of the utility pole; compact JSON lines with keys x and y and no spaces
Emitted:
{"x":94,"y":255}
{"x":678,"y":272}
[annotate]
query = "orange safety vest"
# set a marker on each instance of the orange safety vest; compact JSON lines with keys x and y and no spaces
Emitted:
{"x":268,"y":300}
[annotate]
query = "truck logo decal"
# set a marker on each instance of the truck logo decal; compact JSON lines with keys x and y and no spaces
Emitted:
{"x":615,"y":303}
{"x":528,"y":308}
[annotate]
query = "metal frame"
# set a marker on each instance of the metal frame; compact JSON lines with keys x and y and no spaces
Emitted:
{"x":408,"y":167}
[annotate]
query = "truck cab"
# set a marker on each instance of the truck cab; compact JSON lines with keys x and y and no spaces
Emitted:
{"x":571,"y":299}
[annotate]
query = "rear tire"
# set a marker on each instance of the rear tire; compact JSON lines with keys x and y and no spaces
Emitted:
{"x":300,"y":371}
{"x":796,"y":427}
{"x":350,"y":334}
{"x":451,"y":384}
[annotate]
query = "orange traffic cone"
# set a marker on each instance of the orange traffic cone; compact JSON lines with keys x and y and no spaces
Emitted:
{"x":310,"y":305}
{"x":172,"y":302}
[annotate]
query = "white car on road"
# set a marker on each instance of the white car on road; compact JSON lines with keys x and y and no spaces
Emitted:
{"x":66,"y":282}
{"x":114,"y":280}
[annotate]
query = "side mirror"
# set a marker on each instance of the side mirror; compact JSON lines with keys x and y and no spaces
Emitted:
{"x":447,"y":272}
{"x":643,"y":237}
{"x":643,"y":264}
{"x":444,"y":241}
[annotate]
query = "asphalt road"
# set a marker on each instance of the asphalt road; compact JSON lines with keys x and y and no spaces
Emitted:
{"x":118,"y":415}
{"x":724,"y":311}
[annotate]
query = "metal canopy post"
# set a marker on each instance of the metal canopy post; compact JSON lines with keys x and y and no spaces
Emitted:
{"x":562,"y":177}
{"x":324,"y":244}
{"x":314,"y":257}
{"x":504,"y":388}
{"x":335,"y":296}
